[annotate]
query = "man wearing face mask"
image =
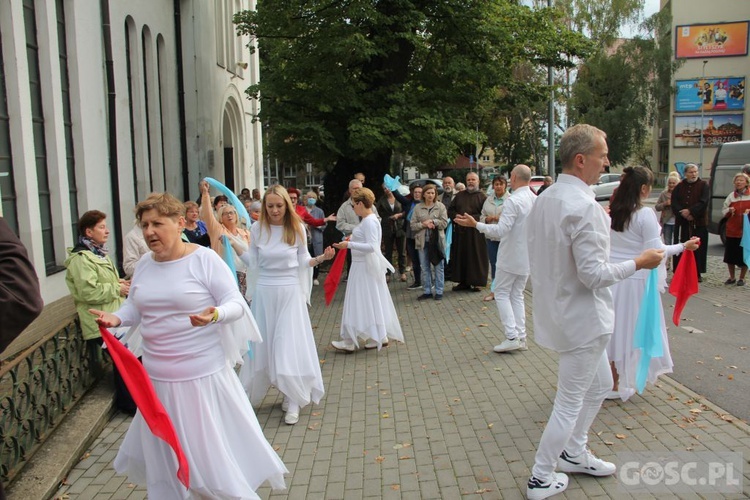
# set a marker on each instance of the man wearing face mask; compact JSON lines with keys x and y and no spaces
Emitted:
{"x":469,"y":262}
{"x":690,"y":207}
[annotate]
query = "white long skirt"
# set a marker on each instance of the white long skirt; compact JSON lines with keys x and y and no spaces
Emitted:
{"x":228,"y":455}
{"x":287,"y":358}
{"x":627,"y":296}
{"x":368,"y":308}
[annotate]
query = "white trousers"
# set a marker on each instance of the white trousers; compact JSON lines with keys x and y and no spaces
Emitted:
{"x":584,"y":379}
{"x":509,"y":299}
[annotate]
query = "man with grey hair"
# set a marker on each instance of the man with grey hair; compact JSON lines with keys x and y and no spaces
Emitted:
{"x":513,"y":269}
{"x":346,"y":219}
{"x":469,"y":262}
{"x":568,"y":242}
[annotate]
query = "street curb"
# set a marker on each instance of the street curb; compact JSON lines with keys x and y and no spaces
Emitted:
{"x":50,"y":465}
{"x":737,"y":422}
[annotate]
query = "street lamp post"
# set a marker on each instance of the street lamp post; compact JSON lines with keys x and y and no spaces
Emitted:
{"x":703,"y":106}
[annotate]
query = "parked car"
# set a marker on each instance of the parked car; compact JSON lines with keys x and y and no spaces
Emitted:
{"x":728,"y":161}
{"x":536,"y":182}
{"x":606,"y":186}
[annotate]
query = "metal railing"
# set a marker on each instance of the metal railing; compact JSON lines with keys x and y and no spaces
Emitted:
{"x":38,"y":387}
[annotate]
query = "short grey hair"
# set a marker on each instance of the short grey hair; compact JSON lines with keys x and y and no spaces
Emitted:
{"x":355,"y":183}
{"x":522,"y":172}
{"x":691,"y":165}
{"x":578,"y":139}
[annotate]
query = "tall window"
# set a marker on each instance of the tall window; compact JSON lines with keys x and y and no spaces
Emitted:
{"x":7,"y":189}
{"x":40,"y":145}
{"x":161,"y":68}
{"x":70,"y":159}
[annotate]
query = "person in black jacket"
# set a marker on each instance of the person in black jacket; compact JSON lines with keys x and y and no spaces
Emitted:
{"x":20,"y":298}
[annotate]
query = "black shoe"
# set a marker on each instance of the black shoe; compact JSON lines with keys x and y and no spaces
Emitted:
{"x":424,"y":296}
{"x":460,"y":287}
{"x":700,"y":279}
{"x":439,"y":296}
{"x":414,"y":286}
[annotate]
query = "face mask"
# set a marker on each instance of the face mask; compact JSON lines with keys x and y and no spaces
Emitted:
{"x":311,"y":201}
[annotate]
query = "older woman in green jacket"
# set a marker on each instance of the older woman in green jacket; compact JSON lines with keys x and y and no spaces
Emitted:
{"x":91,"y":276}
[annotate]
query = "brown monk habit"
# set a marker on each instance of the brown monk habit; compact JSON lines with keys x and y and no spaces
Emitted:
{"x":469,"y":262}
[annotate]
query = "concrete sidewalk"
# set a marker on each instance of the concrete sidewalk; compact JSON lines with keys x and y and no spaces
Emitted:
{"x":442,"y":416}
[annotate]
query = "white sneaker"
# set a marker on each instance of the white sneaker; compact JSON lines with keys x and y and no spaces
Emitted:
{"x":316,"y":283}
{"x":291,"y":418}
{"x":523,"y":347}
{"x":585,"y":463}
{"x":613,"y":395}
{"x":508,"y":345}
{"x":344,"y":345}
{"x":537,"y":490}
{"x":371,"y":344}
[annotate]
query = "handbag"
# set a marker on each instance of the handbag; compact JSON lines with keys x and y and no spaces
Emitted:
{"x":434,"y":252}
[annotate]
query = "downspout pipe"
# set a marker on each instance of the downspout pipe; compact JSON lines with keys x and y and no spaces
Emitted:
{"x":181,"y":99}
{"x":114,"y":177}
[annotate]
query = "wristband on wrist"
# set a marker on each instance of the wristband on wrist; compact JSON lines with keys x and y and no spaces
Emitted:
{"x":215,"y":317}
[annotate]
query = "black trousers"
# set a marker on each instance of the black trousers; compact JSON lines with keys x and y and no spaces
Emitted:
{"x":390,"y":240}
{"x":414,"y":256}
{"x":686,"y":231}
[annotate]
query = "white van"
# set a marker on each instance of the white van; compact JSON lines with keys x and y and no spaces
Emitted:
{"x":728,"y":162}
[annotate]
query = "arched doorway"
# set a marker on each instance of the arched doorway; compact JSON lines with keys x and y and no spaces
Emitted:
{"x":232,"y":144}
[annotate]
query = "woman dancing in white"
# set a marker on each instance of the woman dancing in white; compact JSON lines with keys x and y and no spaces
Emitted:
{"x":634,"y":228}
{"x":368,"y":309}
{"x":280,"y":271}
{"x":195,"y":324}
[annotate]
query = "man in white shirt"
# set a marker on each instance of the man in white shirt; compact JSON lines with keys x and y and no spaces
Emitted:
{"x":568,"y":241}
{"x":347,"y":220}
{"x":513,"y":268}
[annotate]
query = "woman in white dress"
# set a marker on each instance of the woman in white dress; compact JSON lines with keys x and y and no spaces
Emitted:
{"x":635,"y":228}
{"x":280,"y":270}
{"x":195,"y":325}
{"x":369,"y":313}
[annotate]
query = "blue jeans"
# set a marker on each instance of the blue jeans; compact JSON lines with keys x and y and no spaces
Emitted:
{"x":492,"y":253}
{"x":427,"y":268}
{"x":667,"y":230}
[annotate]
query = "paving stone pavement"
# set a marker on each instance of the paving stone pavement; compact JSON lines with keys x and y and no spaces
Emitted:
{"x":443,"y":417}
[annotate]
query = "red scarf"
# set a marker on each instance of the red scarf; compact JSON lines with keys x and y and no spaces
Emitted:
{"x":139,"y":384}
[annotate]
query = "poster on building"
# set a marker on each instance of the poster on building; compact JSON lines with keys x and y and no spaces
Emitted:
{"x":711,"y":40}
{"x":717,"y":129}
{"x":712,"y":94}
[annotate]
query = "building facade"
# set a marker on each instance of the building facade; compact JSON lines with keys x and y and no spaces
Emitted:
{"x":103,"y":102}
{"x":709,"y":98}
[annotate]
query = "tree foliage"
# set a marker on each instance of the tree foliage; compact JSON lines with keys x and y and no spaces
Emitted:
{"x":347,"y":83}
{"x":620,"y":90}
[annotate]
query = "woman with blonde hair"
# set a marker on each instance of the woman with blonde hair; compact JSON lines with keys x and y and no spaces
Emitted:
{"x":195,"y":326}
{"x":369,"y":313}
{"x":279,"y":266}
{"x":225,"y":233}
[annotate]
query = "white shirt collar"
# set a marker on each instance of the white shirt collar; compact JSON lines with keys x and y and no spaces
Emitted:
{"x":574,"y":181}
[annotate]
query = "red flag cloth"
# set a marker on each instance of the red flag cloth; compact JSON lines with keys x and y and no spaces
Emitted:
{"x":334,"y":276}
{"x":684,"y":284}
{"x":142,"y":391}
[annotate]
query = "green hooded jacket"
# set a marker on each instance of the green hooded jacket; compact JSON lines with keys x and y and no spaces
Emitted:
{"x":94,"y":284}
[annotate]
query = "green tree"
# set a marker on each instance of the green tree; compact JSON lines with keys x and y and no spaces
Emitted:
{"x":620,"y":91}
{"x":348,"y":83}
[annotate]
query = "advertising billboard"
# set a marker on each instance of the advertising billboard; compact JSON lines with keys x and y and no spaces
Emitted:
{"x":717,"y":129}
{"x":712,"y":94}
{"x":711,"y":40}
